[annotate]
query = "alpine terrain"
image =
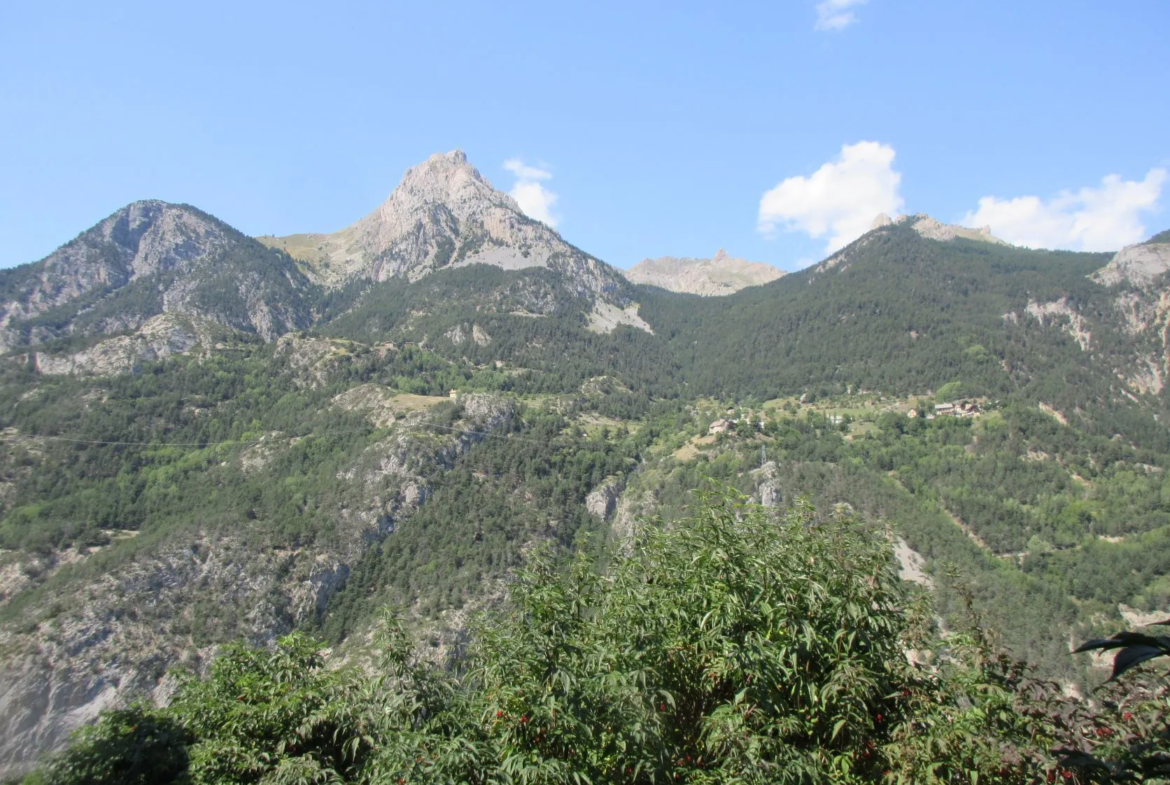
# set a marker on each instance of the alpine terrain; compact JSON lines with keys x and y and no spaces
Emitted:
{"x":211,"y":442}
{"x":721,"y":274}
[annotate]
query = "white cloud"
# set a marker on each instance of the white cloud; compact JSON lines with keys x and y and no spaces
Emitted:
{"x":840,"y":199}
{"x":835,"y":14}
{"x":529,"y":192}
{"x":1091,"y":219}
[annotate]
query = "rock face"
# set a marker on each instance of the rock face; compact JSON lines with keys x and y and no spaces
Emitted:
{"x":1138,"y":265}
{"x":107,"y":640}
{"x":721,"y":274}
{"x":603,"y":500}
{"x":933,"y":229}
{"x":767,"y":479}
{"x":160,"y":337}
{"x":1136,"y":283}
{"x":1136,"y":278}
{"x":146,"y":259}
{"x":444,"y":213}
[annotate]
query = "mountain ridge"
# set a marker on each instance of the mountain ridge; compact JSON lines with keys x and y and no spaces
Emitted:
{"x":719,"y":275}
{"x":444,"y":213}
{"x":173,"y":477}
{"x":148,"y":258}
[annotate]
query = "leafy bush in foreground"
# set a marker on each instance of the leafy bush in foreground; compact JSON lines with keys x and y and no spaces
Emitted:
{"x":732,"y":647}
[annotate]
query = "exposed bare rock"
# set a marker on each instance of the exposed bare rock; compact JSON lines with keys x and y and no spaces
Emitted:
{"x":633,"y":507}
{"x":1144,"y":308}
{"x":444,"y":213}
{"x":160,"y":337}
{"x":149,"y":258}
{"x":602,"y":500}
{"x":719,"y":275}
{"x":605,"y":318}
{"x":455,"y":335}
{"x":311,"y":359}
{"x":911,"y":565}
{"x":1060,"y":310}
{"x":111,"y":640}
{"x":1137,"y":265}
{"x":767,"y":479}
{"x":138,"y":240}
{"x":936,"y":230}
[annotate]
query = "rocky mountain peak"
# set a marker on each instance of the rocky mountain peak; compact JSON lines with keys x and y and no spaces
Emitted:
{"x":443,"y":184}
{"x":140,"y":239}
{"x":719,"y":275}
{"x":444,"y":213}
{"x":147,"y":258}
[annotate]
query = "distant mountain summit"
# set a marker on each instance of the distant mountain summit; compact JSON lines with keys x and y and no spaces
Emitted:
{"x":1138,"y":265}
{"x":444,"y":213}
{"x":719,"y":275}
{"x":149,"y":258}
{"x":933,"y":229}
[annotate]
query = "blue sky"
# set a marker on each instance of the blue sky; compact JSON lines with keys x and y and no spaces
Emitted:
{"x":773,"y":129}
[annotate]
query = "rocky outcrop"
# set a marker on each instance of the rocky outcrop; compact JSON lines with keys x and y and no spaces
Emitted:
{"x":160,"y":337}
{"x":606,"y":317}
{"x":936,"y":230}
{"x":933,"y":229}
{"x":111,"y":640}
{"x":716,"y":276}
{"x":141,"y":239}
{"x":444,"y":213}
{"x":457,"y":335}
{"x":1137,"y":265}
{"x":147,"y":259}
{"x":1136,"y":277}
{"x":310,"y":359}
{"x":1060,"y":311}
{"x":602,"y":500}
{"x":767,"y":480}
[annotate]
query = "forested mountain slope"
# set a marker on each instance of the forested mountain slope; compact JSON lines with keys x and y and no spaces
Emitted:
{"x":895,"y":312}
{"x":205,"y":439}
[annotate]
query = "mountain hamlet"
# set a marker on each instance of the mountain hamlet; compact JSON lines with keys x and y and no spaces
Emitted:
{"x":211,"y":438}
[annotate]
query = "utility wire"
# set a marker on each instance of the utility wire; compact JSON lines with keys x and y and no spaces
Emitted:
{"x":252,"y":443}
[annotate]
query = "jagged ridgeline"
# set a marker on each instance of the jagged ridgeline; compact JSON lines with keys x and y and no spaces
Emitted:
{"x":209,"y":437}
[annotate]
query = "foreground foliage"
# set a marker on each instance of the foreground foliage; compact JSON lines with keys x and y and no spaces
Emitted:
{"x":736,"y":646}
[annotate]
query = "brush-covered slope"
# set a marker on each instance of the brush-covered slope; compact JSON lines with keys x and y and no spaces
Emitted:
{"x":898,"y":312}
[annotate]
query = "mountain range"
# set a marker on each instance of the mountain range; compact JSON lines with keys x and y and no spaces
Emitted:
{"x":208,"y":436}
